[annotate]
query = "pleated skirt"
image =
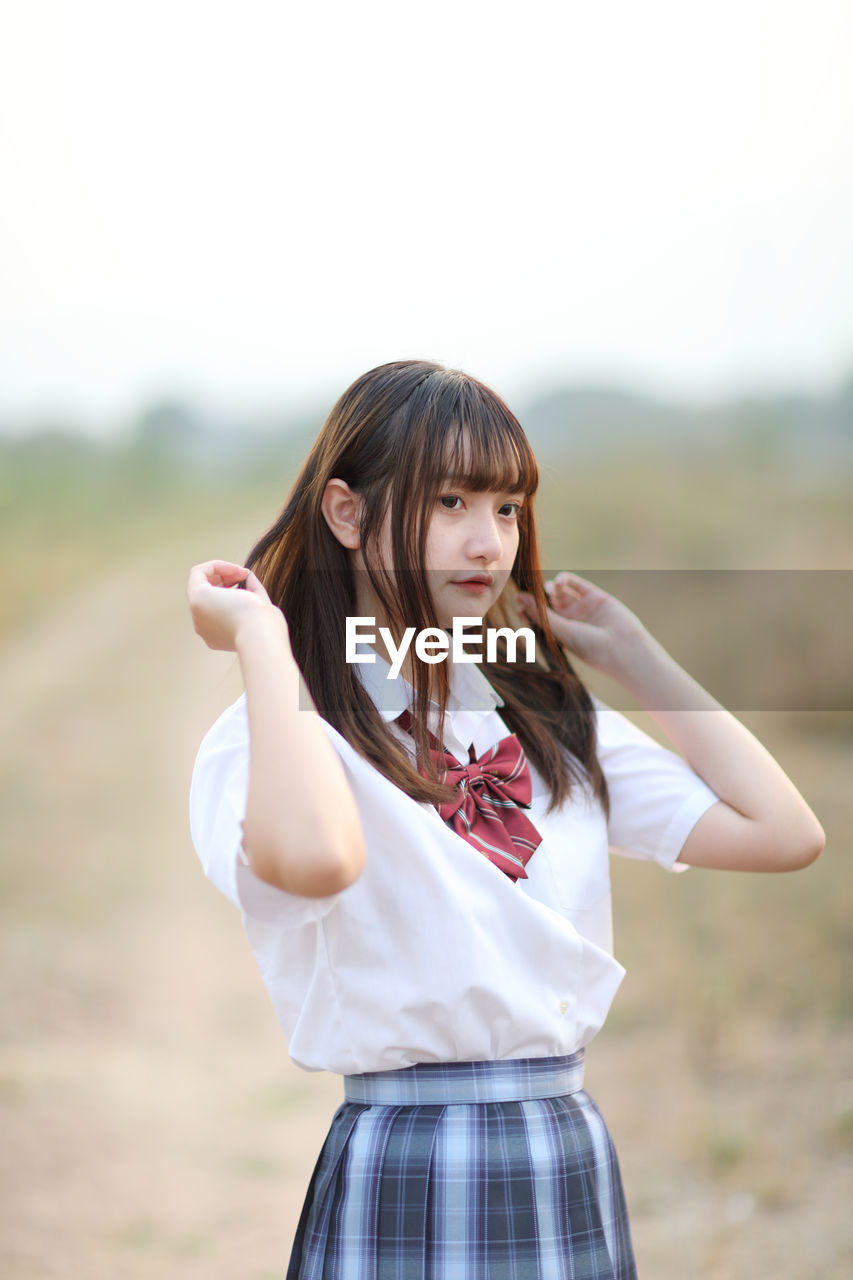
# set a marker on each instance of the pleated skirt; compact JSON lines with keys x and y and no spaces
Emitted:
{"x":466,"y":1171}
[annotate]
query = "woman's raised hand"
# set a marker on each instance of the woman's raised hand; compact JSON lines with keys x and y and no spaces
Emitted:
{"x":595,"y":626}
{"x":218,"y":609}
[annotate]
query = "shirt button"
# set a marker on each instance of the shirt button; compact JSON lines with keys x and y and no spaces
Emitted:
{"x":564,"y":1006}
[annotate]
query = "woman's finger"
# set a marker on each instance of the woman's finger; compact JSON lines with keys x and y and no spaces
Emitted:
{"x":216,"y":573}
{"x":570,"y":583}
{"x":199,"y":577}
{"x":253,"y":583}
{"x":225,"y":568}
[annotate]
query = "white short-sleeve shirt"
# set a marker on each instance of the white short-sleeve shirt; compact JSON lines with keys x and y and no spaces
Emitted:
{"x":434,"y":954}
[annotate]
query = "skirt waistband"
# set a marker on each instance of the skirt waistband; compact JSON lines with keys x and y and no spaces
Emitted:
{"x":507,"y":1080}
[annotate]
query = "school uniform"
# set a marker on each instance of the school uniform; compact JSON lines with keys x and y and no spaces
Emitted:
{"x":456,"y":1003}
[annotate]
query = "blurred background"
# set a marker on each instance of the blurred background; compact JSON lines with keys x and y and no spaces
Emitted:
{"x":635,"y":223}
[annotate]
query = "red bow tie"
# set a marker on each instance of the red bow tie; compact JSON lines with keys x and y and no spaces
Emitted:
{"x":486,"y":811}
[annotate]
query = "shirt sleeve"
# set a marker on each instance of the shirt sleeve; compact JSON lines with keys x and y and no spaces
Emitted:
{"x":655,"y":797}
{"x":218,"y":792}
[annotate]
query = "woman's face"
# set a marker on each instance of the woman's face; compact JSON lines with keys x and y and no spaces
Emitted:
{"x":472,"y":541}
{"x":471,"y":545}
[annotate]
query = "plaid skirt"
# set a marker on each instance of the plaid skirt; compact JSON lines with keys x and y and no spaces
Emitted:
{"x":466,"y":1171}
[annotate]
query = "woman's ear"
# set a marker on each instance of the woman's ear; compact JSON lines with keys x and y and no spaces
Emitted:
{"x":341,"y":509}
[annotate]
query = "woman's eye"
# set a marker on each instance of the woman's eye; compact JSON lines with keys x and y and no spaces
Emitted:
{"x":509,"y":509}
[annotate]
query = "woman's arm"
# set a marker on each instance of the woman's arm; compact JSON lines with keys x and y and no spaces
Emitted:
{"x":302,"y":831}
{"x":762,"y":822}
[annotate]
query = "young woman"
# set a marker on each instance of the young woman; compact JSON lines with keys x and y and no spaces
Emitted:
{"x":421,"y":861}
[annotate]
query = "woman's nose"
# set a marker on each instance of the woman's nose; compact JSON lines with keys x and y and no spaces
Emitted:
{"x":484,"y":540}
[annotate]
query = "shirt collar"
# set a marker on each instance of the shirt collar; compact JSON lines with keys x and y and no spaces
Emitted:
{"x":469,"y":688}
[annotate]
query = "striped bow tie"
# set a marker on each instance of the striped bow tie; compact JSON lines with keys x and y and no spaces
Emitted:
{"x":486,"y":811}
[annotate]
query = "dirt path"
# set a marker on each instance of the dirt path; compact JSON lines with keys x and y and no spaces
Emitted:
{"x":152,"y":1122}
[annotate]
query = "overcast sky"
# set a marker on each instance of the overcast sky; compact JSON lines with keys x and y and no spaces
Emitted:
{"x":247,"y":203}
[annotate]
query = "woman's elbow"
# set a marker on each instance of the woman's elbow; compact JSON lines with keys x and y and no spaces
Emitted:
{"x":800,"y":847}
{"x":317,"y":870}
{"x":815,"y":846}
{"x":336,"y":868}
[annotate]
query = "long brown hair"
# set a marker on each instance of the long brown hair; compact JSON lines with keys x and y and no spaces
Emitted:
{"x":393,"y":437}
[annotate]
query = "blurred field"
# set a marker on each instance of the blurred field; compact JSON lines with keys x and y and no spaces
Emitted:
{"x":152,"y":1123}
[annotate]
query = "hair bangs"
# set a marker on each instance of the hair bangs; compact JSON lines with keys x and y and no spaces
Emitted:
{"x":488,"y":449}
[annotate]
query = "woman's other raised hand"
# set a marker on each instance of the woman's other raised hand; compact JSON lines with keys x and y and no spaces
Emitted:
{"x":595,"y":626}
